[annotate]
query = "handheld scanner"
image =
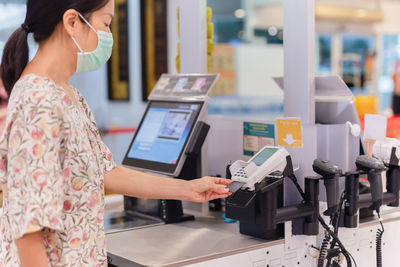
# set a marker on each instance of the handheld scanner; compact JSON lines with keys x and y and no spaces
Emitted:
{"x":330,"y":173}
{"x":374,"y":168}
{"x":388,"y":151}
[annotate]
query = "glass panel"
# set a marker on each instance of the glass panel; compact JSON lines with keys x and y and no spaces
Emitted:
{"x":248,"y":53}
{"x":357,"y":62}
{"x":390,"y":70}
{"x":323,"y":48}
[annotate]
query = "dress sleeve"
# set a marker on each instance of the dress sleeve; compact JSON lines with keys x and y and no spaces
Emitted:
{"x":106,"y":155}
{"x":108,"y":160}
{"x":36,"y":147}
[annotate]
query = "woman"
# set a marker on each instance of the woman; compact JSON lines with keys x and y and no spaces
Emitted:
{"x":3,"y":114}
{"x":54,"y":167}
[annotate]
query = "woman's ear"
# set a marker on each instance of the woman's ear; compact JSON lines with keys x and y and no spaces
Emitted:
{"x":71,"y":22}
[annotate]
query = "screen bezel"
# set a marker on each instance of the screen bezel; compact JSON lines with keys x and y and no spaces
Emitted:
{"x":155,"y":166}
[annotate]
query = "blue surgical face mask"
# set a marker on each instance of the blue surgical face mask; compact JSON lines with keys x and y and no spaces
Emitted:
{"x":90,"y":61}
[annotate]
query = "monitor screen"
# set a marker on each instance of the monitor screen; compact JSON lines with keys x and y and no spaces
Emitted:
{"x":162,"y":135}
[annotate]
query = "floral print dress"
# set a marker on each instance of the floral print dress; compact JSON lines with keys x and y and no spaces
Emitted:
{"x":52,"y":167}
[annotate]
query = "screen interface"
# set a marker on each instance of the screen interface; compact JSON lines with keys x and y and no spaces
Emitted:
{"x":264,"y":155}
{"x":164,"y":131}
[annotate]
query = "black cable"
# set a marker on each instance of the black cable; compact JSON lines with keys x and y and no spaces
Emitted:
{"x":379,"y":235}
{"x":336,"y":239}
{"x":335,"y":223}
{"x":324,"y":250}
{"x":323,"y":223}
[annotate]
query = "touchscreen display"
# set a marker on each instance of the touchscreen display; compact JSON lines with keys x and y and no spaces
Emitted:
{"x":264,"y":155}
{"x":164,"y":131}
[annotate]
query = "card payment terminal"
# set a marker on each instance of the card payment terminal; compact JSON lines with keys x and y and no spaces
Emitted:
{"x":268,"y":160}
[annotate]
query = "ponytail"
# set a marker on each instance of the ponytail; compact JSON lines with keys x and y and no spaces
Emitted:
{"x":15,"y":58}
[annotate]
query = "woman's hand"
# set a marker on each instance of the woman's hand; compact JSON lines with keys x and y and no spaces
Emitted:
{"x":133,"y":183}
{"x":208,"y":188}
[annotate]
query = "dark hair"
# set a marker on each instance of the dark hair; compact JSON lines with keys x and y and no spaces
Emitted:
{"x":42,"y":17}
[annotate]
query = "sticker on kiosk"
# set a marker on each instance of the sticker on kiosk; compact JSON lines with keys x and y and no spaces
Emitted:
{"x":256,"y":136}
{"x":289,"y":132}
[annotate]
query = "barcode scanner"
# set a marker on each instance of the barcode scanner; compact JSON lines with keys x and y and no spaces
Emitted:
{"x":330,"y":174}
{"x":374,"y":168}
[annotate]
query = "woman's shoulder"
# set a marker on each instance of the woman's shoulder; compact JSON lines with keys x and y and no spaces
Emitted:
{"x":32,"y":88}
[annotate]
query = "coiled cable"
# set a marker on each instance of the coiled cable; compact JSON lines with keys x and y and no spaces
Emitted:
{"x":379,"y":235}
{"x":323,"y":251}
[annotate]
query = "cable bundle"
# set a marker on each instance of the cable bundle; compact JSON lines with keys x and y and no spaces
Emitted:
{"x":334,"y":236}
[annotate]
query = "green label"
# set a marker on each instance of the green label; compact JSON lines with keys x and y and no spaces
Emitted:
{"x":256,"y":136}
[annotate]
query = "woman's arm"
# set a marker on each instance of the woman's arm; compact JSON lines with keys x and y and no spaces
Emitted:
{"x":133,"y":183}
{"x":31,"y":250}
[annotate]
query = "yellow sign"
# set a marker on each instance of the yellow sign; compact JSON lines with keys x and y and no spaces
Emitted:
{"x":289,"y":132}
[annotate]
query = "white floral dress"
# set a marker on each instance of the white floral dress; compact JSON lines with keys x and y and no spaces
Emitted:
{"x":52,"y":169}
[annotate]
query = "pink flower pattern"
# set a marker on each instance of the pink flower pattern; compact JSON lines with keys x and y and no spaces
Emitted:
{"x":52,"y":165}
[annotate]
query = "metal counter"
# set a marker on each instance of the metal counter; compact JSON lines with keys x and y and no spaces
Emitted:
{"x":180,"y":244}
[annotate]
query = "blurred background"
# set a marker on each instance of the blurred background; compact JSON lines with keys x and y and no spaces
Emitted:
{"x":358,"y":40}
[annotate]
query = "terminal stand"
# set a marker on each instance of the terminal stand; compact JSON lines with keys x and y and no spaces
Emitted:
{"x":171,"y":211}
{"x":261,"y":212}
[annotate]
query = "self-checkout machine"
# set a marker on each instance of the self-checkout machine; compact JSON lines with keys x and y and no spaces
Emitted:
{"x":168,"y":142}
{"x":170,"y":137}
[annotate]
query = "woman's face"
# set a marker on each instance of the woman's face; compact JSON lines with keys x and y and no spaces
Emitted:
{"x":100,"y":21}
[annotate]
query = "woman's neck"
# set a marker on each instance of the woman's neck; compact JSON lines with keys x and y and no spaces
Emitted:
{"x":51,"y":61}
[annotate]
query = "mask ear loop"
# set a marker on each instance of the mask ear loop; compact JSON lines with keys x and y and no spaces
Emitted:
{"x":87,"y":22}
{"x":76,"y":43}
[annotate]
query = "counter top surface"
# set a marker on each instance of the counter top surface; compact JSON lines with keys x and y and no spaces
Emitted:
{"x":179,"y":244}
{"x":206,"y":238}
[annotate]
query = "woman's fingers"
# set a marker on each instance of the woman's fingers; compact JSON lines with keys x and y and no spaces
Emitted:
{"x":220,"y":189}
{"x":222,"y":181}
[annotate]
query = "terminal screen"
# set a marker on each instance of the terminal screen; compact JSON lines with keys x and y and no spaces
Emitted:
{"x":164,"y":132}
{"x":264,"y":155}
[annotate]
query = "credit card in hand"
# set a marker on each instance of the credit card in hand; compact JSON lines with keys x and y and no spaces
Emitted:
{"x":235,"y":186}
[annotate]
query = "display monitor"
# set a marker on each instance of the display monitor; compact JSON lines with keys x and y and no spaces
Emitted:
{"x":161,"y":138}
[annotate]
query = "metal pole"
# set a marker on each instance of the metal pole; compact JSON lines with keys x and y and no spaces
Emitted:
{"x":299,"y":53}
{"x":193,"y":36}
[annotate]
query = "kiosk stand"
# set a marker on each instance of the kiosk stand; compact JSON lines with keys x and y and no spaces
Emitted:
{"x":169,"y":140}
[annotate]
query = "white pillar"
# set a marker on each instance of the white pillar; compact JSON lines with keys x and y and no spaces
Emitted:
{"x":337,"y":54}
{"x":193,"y":36}
{"x":299,"y":45}
{"x":172,"y":31}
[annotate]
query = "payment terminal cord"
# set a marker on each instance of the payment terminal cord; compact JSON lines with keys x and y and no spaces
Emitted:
{"x":335,"y":222}
{"x":379,"y":235}
{"x":345,"y":253}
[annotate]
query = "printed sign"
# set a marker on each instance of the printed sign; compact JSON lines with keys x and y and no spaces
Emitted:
{"x":289,"y":132}
{"x":375,"y":127}
{"x":183,"y":85}
{"x":256,"y":136}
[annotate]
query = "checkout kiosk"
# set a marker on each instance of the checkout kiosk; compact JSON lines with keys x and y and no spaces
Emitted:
{"x":270,"y":230}
{"x":169,"y":139}
{"x":168,"y":143}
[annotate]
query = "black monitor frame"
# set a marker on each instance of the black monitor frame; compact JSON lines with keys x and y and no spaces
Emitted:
{"x":159,"y":167}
